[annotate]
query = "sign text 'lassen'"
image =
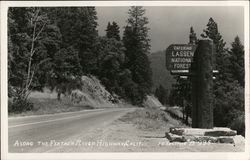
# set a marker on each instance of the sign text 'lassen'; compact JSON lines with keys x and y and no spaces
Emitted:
{"x":179,"y":56}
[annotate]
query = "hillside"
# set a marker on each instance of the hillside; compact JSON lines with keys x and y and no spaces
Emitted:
{"x":160,"y":74}
{"x":91,"y":95}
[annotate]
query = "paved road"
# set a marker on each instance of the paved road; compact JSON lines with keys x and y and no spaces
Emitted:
{"x":42,"y":133}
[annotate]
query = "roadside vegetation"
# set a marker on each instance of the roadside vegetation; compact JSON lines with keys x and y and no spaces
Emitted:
{"x":55,"y":47}
{"x":151,"y":119}
{"x":47,"y":103}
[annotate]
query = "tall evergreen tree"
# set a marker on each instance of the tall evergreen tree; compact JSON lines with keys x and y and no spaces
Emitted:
{"x":192,"y":36}
{"x":78,"y":28}
{"x":228,"y":94}
{"x":237,"y":61}
{"x":137,"y":46}
{"x":110,"y":55}
{"x":113,"y":31}
{"x":221,"y":56}
{"x":66,"y":71}
{"x":212,"y":32}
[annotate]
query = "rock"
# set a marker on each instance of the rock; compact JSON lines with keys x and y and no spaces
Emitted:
{"x":225,"y":140}
{"x":178,"y":131}
{"x":188,"y":131}
{"x":210,"y":139}
{"x":221,"y":129}
{"x":215,"y":135}
{"x":201,"y":139}
{"x":215,"y":132}
{"x":175,"y":138}
{"x":151,"y":101}
{"x":163,"y":108}
{"x":93,"y":93}
{"x":239,"y":139}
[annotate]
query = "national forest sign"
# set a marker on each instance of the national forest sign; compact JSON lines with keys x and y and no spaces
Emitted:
{"x":179,"y":58}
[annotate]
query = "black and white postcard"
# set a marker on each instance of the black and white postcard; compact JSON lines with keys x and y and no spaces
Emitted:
{"x":125,"y":80}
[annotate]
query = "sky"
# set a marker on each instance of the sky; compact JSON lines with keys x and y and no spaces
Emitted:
{"x":171,"y":25}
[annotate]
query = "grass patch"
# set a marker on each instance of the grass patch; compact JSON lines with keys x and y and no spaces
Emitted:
{"x":150,"y":119}
{"x":239,"y":125}
{"x":177,"y":114}
{"x":51,"y":105}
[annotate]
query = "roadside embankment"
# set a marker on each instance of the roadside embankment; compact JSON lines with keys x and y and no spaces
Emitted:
{"x":91,"y":95}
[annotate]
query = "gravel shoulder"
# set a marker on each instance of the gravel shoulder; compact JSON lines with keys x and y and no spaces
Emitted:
{"x":128,"y":134}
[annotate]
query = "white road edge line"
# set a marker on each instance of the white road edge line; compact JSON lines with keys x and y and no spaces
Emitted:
{"x":53,"y":114}
{"x":26,"y":124}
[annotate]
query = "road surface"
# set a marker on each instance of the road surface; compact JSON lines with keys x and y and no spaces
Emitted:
{"x":47,"y":132}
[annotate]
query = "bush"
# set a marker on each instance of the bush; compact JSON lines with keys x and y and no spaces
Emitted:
{"x":19,"y":105}
{"x":229,"y":104}
{"x":239,"y":125}
{"x":156,"y":114}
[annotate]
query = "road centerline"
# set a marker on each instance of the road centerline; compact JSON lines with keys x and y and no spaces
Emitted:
{"x":45,"y":121}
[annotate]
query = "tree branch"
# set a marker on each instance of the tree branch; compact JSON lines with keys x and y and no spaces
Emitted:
{"x":40,"y":31}
{"x":31,"y":50}
{"x":35,"y":68}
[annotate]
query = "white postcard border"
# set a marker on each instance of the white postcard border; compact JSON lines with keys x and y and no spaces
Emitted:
{"x":144,"y":155}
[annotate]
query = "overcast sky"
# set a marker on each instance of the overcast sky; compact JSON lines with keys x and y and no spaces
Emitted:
{"x":170,"y":25}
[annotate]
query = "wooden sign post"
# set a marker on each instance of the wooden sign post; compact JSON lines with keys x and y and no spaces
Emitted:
{"x":195,"y":61}
{"x":202,"y":84}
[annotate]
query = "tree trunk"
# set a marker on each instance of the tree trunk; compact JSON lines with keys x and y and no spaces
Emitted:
{"x":59,"y":96}
{"x":186,"y":120}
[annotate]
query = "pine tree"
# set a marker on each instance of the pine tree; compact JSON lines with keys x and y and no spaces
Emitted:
{"x":192,"y":36}
{"x":130,"y":89}
{"x":221,"y":58}
{"x":110,"y":55}
{"x":137,"y":46}
{"x":228,"y":94}
{"x":137,"y":25}
{"x":78,"y":28}
{"x":237,"y":61}
{"x":212,"y":32}
{"x":77,"y":48}
{"x":66,"y":71}
{"x":113,"y":31}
